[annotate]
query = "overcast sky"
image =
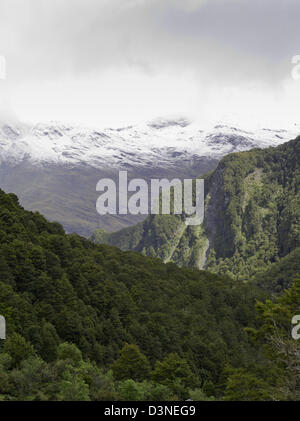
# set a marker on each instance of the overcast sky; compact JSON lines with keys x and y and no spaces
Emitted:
{"x":117,"y":62}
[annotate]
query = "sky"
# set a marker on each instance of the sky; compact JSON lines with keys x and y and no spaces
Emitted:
{"x":121,"y":62}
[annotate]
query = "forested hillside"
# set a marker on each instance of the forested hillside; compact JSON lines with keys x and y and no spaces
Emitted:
{"x":278,"y":379}
{"x":71,"y":306}
{"x":252,"y":218}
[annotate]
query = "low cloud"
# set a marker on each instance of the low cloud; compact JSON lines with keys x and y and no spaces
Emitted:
{"x":214,"y":44}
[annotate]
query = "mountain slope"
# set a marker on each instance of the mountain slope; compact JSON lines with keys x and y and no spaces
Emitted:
{"x":252,"y":217}
{"x":280,"y":275}
{"x":56,"y":288}
{"x":54,"y":168}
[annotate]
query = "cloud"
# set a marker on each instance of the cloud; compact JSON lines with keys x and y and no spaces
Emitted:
{"x":229,"y":39}
{"x":213,"y":44}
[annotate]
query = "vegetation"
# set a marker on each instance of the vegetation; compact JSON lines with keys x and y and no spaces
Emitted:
{"x":279,"y":377}
{"x":92,"y":322}
{"x":251,"y":219}
{"x":88,"y":321}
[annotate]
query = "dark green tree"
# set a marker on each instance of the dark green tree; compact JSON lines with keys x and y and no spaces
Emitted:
{"x":131,"y":364}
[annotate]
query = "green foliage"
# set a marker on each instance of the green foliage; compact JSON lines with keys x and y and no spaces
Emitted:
{"x":18,"y":349}
{"x":69,"y":352}
{"x":277,"y":377}
{"x":129,"y":390}
{"x":243,"y":386}
{"x":199,"y":395}
{"x":74,"y":389}
{"x":173,"y":368}
{"x":132,"y":364}
{"x":279,"y":276}
{"x":252,"y":218}
{"x":71,"y":306}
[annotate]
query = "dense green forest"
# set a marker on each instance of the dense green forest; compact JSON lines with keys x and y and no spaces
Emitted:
{"x":252,"y":218}
{"x":88,"y":321}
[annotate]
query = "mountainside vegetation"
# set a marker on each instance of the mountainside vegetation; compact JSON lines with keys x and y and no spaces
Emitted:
{"x":90,"y":322}
{"x":279,"y":378}
{"x":252,"y":218}
{"x":281,"y":274}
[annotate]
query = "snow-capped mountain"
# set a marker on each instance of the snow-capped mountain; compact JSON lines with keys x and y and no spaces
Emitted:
{"x":159,"y":143}
{"x":54,"y":168}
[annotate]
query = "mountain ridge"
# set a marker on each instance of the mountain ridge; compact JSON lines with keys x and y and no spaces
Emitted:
{"x":54,"y":168}
{"x":164,"y":141}
{"x":251,"y":217}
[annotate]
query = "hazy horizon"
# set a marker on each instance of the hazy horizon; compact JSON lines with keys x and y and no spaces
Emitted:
{"x":119,"y":62}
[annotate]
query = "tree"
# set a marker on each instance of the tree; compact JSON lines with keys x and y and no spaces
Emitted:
{"x":199,"y":395}
{"x":282,"y":350}
{"x":18,"y":348}
{"x":67,"y":351}
{"x":132,"y":364}
{"x":74,"y":388}
{"x":245,"y":386}
{"x":173,"y":368}
{"x":50,"y":341}
{"x":129,"y":390}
